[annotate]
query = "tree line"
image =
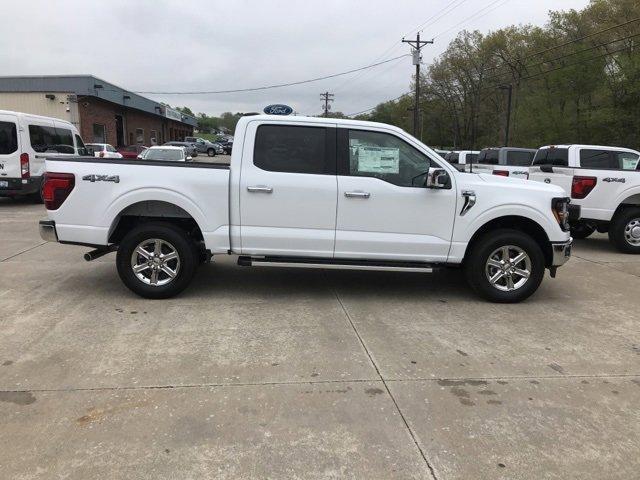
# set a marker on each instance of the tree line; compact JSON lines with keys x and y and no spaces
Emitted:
{"x":574,"y":80}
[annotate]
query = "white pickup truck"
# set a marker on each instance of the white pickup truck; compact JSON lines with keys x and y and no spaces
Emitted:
{"x":311,"y":193}
{"x":603,"y":181}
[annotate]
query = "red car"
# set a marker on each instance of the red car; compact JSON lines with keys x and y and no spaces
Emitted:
{"x":132,"y":151}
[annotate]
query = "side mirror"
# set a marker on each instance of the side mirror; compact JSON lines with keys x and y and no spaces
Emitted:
{"x":438,"y":178}
{"x":139,"y":157}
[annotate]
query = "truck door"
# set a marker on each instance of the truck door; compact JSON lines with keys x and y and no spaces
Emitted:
{"x":384,"y":210}
{"x":288,"y":190}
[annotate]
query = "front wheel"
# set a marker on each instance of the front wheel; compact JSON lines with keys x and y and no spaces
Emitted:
{"x":156,"y":260}
{"x":505,"y":266}
{"x":211,"y":152}
{"x":624,"y":231}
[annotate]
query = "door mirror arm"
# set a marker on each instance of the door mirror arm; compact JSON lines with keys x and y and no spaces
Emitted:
{"x":438,"y":179}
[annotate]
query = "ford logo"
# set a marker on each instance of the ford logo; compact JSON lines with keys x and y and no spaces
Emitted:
{"x":278,"y":110}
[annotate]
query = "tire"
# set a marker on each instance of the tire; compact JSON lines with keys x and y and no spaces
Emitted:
{"x":211,"y":152}
{"x":171,"y":240}
{"x":491,"y":247}
{"x":582,"y":230}
{"x":624,"y":230}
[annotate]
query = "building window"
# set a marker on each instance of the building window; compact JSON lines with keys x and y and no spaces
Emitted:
{"x":139,"y":136}
{"x":154,"y":137}
{"x":99,"y":133}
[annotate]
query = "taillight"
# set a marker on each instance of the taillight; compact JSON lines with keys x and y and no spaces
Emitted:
{"x":502,"y":173}
{"x":582,"y":186}
{"x":56,"y":188}
{"x":24,"y":165}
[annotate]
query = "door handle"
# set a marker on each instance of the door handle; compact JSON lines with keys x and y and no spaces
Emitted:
{"x":357,"y":194}
{"x":260,"y":189}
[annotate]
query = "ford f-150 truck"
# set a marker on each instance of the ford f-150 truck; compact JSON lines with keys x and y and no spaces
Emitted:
{"x":310,"y":192}
{"x":604,"y":182}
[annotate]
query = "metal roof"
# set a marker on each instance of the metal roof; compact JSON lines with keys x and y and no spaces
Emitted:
{"x":88,"y":85}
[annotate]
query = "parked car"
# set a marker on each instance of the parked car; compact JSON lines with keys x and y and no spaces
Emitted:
{"x":190,"y":148}
{"x":25,"y":141}
{"x":463,"y":159}
{"x":506,"y":161}
{"x":132,"y":151}
{"x":227,"y":146}
{"x":219,"y":148}
{"x":381,"y":200}
{"x":103,"y":150}
{"x":202,"y":145}
{"x":165,"y":153}
{"x":604,"y":181}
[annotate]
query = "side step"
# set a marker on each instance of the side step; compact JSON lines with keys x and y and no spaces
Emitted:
{"x":336,"y":264}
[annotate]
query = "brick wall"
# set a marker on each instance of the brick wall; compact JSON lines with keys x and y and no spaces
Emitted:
{"x":96,"y":111}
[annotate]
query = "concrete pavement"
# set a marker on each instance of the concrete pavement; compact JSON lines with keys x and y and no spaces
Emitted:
{"x":283,"y":373}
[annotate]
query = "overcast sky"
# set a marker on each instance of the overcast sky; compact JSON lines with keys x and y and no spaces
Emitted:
{"x":187,"y":45}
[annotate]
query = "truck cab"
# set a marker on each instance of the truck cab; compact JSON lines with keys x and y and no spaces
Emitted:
{"x":506,"y":161}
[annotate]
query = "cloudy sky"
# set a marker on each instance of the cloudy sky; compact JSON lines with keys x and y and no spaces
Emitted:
{"x":189,"y":45}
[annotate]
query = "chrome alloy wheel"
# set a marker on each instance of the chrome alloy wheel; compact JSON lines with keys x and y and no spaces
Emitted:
{"x":508,"y":268}
{"x":632,"y":232}
{"x":155,"y":262}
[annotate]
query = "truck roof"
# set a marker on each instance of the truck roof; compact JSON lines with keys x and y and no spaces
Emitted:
{"x":316,"y":120}
{"x":577,"y":145}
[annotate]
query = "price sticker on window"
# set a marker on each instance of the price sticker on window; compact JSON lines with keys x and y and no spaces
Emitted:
{"x":377,"y":159}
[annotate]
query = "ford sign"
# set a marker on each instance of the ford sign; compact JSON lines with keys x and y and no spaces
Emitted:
{"x":278,"y":110}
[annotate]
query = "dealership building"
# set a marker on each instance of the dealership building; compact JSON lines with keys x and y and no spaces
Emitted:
{"x":102,"y":112}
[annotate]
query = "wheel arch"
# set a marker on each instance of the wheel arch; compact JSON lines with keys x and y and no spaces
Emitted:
{"x":632,"y":200}
{"x":152,"y":210}
{"x":515,"y":222}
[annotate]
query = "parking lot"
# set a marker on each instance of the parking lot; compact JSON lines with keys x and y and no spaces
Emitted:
{"x":284,"y":373}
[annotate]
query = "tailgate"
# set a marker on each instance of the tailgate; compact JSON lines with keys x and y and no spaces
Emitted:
{"x":560,"y":176}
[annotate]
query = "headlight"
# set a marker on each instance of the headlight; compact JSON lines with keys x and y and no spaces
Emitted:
{"x":560,"y":209}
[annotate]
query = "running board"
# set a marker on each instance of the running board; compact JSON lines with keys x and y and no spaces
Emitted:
{"x":336,"y":264}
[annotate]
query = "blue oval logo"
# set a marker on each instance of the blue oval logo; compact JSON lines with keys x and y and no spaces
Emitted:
{"x":278,"y":110}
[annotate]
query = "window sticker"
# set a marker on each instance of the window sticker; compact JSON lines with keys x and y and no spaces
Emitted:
{"x":376,"y":159}
{"x":629,"y":163}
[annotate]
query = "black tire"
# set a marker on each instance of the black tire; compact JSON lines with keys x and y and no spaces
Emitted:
{"x":211,"y":152}
{"x":480,"y":253}
{"x":178,"y":240}
{"x":622,"y":228}
{"x":582,"y":230}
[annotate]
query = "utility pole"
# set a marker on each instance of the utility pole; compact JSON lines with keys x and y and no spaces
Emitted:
{"x":509,"y":88}
{"x":326,"y":97}
{"x":417,"y":45}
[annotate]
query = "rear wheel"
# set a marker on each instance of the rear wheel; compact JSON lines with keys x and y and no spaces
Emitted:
{"x":505,"y":266}
{"x":582,"y":230}
{"x":156,"y":260}
{"x":211,"y":152}
{"x":624,"y":231}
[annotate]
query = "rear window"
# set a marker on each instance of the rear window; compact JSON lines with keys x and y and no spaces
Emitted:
{"x":452,"y":157}
{"x":292,"y":149}
{"x":558,"y":157}
{"x":488,"y":157}
{"x":164,"y":154}
{"x":50,"y":139}
{"x":627,"y":160}
{"x":8,"y":138}
{"x":519,"y":158}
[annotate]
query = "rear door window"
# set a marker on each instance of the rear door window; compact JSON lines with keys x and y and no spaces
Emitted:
{"x":558,"y":157}
{"x":453,"y":158}
{"x":519,"y":158}
{"x":8,"y":138}
{"x":45,"y":139}
{"x":471,"y":158}
{"x":293,"y":149}
{"x":598,"y":159}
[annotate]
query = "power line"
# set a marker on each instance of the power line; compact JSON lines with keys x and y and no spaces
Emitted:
{"x":437,"y":16}
{"x":491,"y":7}
{"x":267,"y":87}
{"x":375,"y":106}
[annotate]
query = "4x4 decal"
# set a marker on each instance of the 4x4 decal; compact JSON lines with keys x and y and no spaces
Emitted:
{"x":616,"y":180}
{"x":102,"y":178}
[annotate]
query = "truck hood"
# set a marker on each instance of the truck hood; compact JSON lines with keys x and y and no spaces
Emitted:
{"x":518,"y":184}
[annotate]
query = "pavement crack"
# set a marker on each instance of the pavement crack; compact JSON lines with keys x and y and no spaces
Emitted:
{"x":393,"y":399}
{"x":23,"y":251}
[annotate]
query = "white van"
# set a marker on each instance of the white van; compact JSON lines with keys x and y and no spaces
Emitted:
{"x":25,"y":141}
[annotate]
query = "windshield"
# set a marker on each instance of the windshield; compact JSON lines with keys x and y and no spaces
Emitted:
{"x":165,"y":154}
